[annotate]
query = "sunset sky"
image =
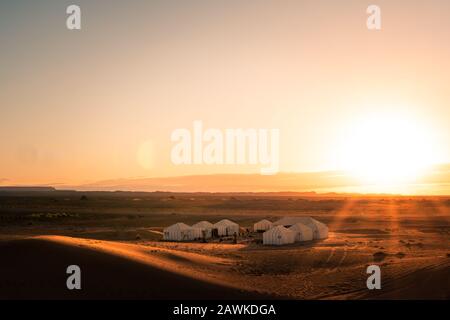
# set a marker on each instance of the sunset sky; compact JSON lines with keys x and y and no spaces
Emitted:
{"x":101,"y":103}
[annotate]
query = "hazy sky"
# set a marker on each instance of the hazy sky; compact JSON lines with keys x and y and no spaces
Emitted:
{"x":77,"y":106}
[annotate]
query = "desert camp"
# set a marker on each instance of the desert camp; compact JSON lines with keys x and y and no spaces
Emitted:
{"x":284,"y":231}
{"x":320,"y":230}
{"x":201,"y":230}
{"x":181,"y":232}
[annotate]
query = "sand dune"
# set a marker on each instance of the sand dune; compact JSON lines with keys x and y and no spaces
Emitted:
{"x":120,"y":258}
{"x":35,"y":268}
{"x":432,"y":282}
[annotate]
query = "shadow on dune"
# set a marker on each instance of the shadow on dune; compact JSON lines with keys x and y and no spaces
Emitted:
{"x":36,"y":269}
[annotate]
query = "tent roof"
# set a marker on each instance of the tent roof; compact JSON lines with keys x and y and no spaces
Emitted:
{"x":279,"y":230}
{"x":225,"y":222}
{"x":299,"y":227}
{"x":203,"y":224}
{"x":179,"y":226}
{"x":264,"y":221}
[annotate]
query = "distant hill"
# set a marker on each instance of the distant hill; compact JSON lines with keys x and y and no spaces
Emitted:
{"x":308,"y":184}
{"x":436,"y":182}
{"x":26,"y":189}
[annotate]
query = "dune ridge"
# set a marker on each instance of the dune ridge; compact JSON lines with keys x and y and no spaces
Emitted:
{"x":35,"y":268}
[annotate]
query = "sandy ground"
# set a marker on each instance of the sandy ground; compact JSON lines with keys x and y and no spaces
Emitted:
{"x":331,"y":269}
{"x":34,"y":268}
{"x":125,"y":258}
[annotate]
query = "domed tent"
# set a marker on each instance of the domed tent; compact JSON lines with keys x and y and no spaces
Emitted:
{"x":278,"y":235}
{"x":320,"y":230}
{"x":226,"y":227}
{"x":302,"y":232}
{"x":262,"y":225}
{"x":205,"y":227}
{"x":181,"y":232}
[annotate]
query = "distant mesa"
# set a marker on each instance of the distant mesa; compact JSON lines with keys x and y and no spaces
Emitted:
{"x":26,"y":189}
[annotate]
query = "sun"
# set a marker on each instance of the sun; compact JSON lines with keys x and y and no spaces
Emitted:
{"x":387,"y":149}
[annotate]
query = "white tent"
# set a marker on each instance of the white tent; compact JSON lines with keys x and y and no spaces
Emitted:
{"x":302,"y":232}
{"x":226,"y":227}
{"x":278,"y":235}
{"x":320,"y":230}
{"x":205,"y":227}
{"x":262,"y":225}
{"x":181,"y":232}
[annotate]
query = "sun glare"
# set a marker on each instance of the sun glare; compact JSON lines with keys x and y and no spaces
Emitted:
{"x":387,"y":149}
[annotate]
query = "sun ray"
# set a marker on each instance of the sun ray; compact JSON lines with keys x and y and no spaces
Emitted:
{"x":343,"y":213}
{"x":442,"y":212}
{"x":394,"y":225}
